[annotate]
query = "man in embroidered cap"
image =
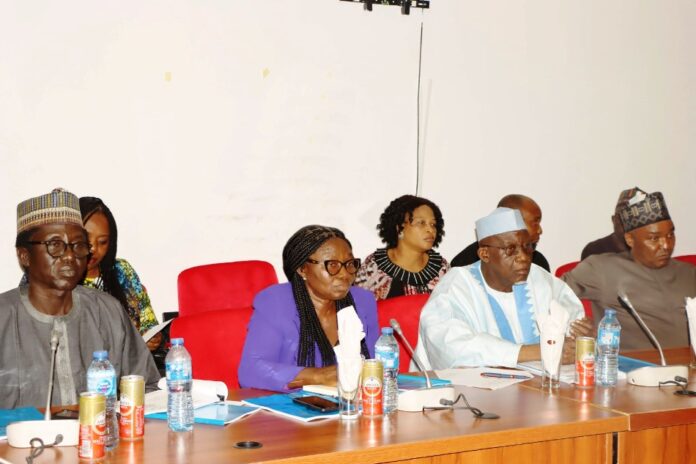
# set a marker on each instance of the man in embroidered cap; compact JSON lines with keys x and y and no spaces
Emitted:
{"x":656,"y":284}
{"x":614,"y":242}
{"x":53,"y":250}
{"x":485,"y":314}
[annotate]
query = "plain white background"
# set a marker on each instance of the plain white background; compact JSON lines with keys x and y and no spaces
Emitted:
{"x":214,"y":129}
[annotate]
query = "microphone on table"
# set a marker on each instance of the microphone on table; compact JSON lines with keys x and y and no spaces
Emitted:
{"x":428,"y":397}
{"x":650,"y":376}
{"x":64,"y":432}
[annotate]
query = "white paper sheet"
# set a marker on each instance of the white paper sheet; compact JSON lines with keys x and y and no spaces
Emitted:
{"x":203,"y":392}
{"x":471,"y":377}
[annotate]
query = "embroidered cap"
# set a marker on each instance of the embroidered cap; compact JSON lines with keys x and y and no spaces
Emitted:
{"x":501,"y":220}
{"x":643,"y":209}
{"x":59,"y":206}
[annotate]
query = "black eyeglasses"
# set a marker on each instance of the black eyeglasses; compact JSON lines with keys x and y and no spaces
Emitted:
{"x":512,"y":250}
{"x":57,"y":248}
{"x":38,"y":446}
{"x":333,"y":266}
{"x":447,"y":404}
{"x":681,"y":382}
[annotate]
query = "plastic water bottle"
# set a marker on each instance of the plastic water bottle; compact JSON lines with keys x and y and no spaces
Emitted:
{"x":179,"y":382}
{"x":608,"y":337}
{"x":387,"y":351}
{"x":101,"y":378}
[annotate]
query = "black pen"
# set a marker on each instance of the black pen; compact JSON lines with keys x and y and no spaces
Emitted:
{"x":497,"y":375}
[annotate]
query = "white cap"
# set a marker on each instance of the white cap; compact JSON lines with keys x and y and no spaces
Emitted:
{"x":501,"y":220}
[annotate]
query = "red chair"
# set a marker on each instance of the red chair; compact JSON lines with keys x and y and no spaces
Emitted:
{"x":406,"y":310}
{"x":587,"y":304}
{"x":223,"y":285}
{"x":215,"y":340}
{"x":691,"y":259}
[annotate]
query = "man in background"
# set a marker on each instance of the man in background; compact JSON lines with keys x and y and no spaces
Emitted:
{"x":614,"y":242}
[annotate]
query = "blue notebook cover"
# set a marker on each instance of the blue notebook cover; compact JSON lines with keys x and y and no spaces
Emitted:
{"x":7,"y":416}
{"x":282,"y":404}
{"x":627,"y":364}
{"x":216,"y":413}
{"x":413,"y":382}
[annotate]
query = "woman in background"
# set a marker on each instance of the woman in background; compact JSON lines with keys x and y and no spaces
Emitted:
{"x":112,"y":275}
{"x":410,"y":227}
{"x":294,"y":326}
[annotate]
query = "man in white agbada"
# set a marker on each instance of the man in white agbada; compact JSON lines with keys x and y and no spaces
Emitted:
{"x":485,"y":314}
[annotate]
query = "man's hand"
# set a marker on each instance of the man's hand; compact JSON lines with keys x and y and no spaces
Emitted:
{"x":581,"y":328}
{"x":568,"y":351}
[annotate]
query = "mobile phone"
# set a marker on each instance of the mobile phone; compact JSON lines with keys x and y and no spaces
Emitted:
{"x":317,"y":403}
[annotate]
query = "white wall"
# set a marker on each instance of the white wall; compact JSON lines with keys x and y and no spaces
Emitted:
{"x":215,"y":129}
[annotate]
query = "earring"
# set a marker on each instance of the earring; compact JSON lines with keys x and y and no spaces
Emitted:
{"x":401,"y":235}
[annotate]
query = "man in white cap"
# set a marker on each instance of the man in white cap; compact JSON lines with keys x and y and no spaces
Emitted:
{"x":485,"y":314}
{"x":53,"y":250}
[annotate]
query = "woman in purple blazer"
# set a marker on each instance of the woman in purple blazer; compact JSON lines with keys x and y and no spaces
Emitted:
{"x":294,"y":327}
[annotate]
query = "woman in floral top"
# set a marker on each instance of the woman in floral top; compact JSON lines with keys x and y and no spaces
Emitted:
{"x":410,"y":227}
{"x":115,"y":276}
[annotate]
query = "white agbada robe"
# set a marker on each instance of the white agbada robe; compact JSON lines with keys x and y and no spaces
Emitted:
{"x":457,"y":326}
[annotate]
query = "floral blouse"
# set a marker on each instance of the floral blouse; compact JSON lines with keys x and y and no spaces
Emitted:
{"x":139,"y":308}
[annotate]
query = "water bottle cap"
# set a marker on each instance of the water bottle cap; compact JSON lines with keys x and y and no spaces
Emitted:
{"x":387,"y":331}
{"x":177,"y":341}
{"x":610,"y":312}
{"x":100,"y":355}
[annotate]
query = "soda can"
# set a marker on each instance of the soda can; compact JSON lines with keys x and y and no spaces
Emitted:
{"x":585,"y":361}
{"x":371,"y":388}
{"x":132,"y":420}
{"x":91,"y":445}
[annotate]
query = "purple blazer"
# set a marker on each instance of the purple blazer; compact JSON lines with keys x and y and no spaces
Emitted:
{"x":269,"y":359}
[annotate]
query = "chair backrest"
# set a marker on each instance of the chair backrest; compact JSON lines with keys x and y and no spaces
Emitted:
{"x":223,"y":285}
{"x":586,"y":304}
{"x":406,"y":310}
{"x":566,"y":268}
{"x":691,"y":259}
{"x":215,"y":340}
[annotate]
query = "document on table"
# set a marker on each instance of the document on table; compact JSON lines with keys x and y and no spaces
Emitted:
{"x":472,"y":377}
{"x":203,"y":392}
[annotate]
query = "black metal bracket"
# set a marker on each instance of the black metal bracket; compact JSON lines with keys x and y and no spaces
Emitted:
{"x":405,"y":5}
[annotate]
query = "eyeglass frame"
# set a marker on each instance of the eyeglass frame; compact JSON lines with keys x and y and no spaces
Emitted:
{"x":528,"y":248}
{"x":680,"y":382}
{"x":66,"y":245}
{"x":343,"y":264}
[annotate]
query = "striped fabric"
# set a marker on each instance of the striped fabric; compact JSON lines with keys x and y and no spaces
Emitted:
{"x":59,"y":206}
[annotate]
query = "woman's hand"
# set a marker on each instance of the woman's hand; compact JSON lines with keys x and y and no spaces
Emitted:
{"x":315,"y":376}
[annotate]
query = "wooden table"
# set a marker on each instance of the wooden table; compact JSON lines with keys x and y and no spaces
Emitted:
{"x":534,"y":428}
{"x":661,"y":425}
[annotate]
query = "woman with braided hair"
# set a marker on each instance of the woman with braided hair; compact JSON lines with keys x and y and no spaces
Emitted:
{"x":294,"y":327}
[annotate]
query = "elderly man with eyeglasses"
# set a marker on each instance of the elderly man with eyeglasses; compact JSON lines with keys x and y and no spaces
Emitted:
{"x":53,"y":250}
{"x":485,"y":314}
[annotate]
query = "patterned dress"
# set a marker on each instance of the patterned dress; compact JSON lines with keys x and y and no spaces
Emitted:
{"x":385,"y":279}
{"x":139,"y":308}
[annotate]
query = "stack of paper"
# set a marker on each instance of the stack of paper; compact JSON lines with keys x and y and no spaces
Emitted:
{"x":203,"y":392}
